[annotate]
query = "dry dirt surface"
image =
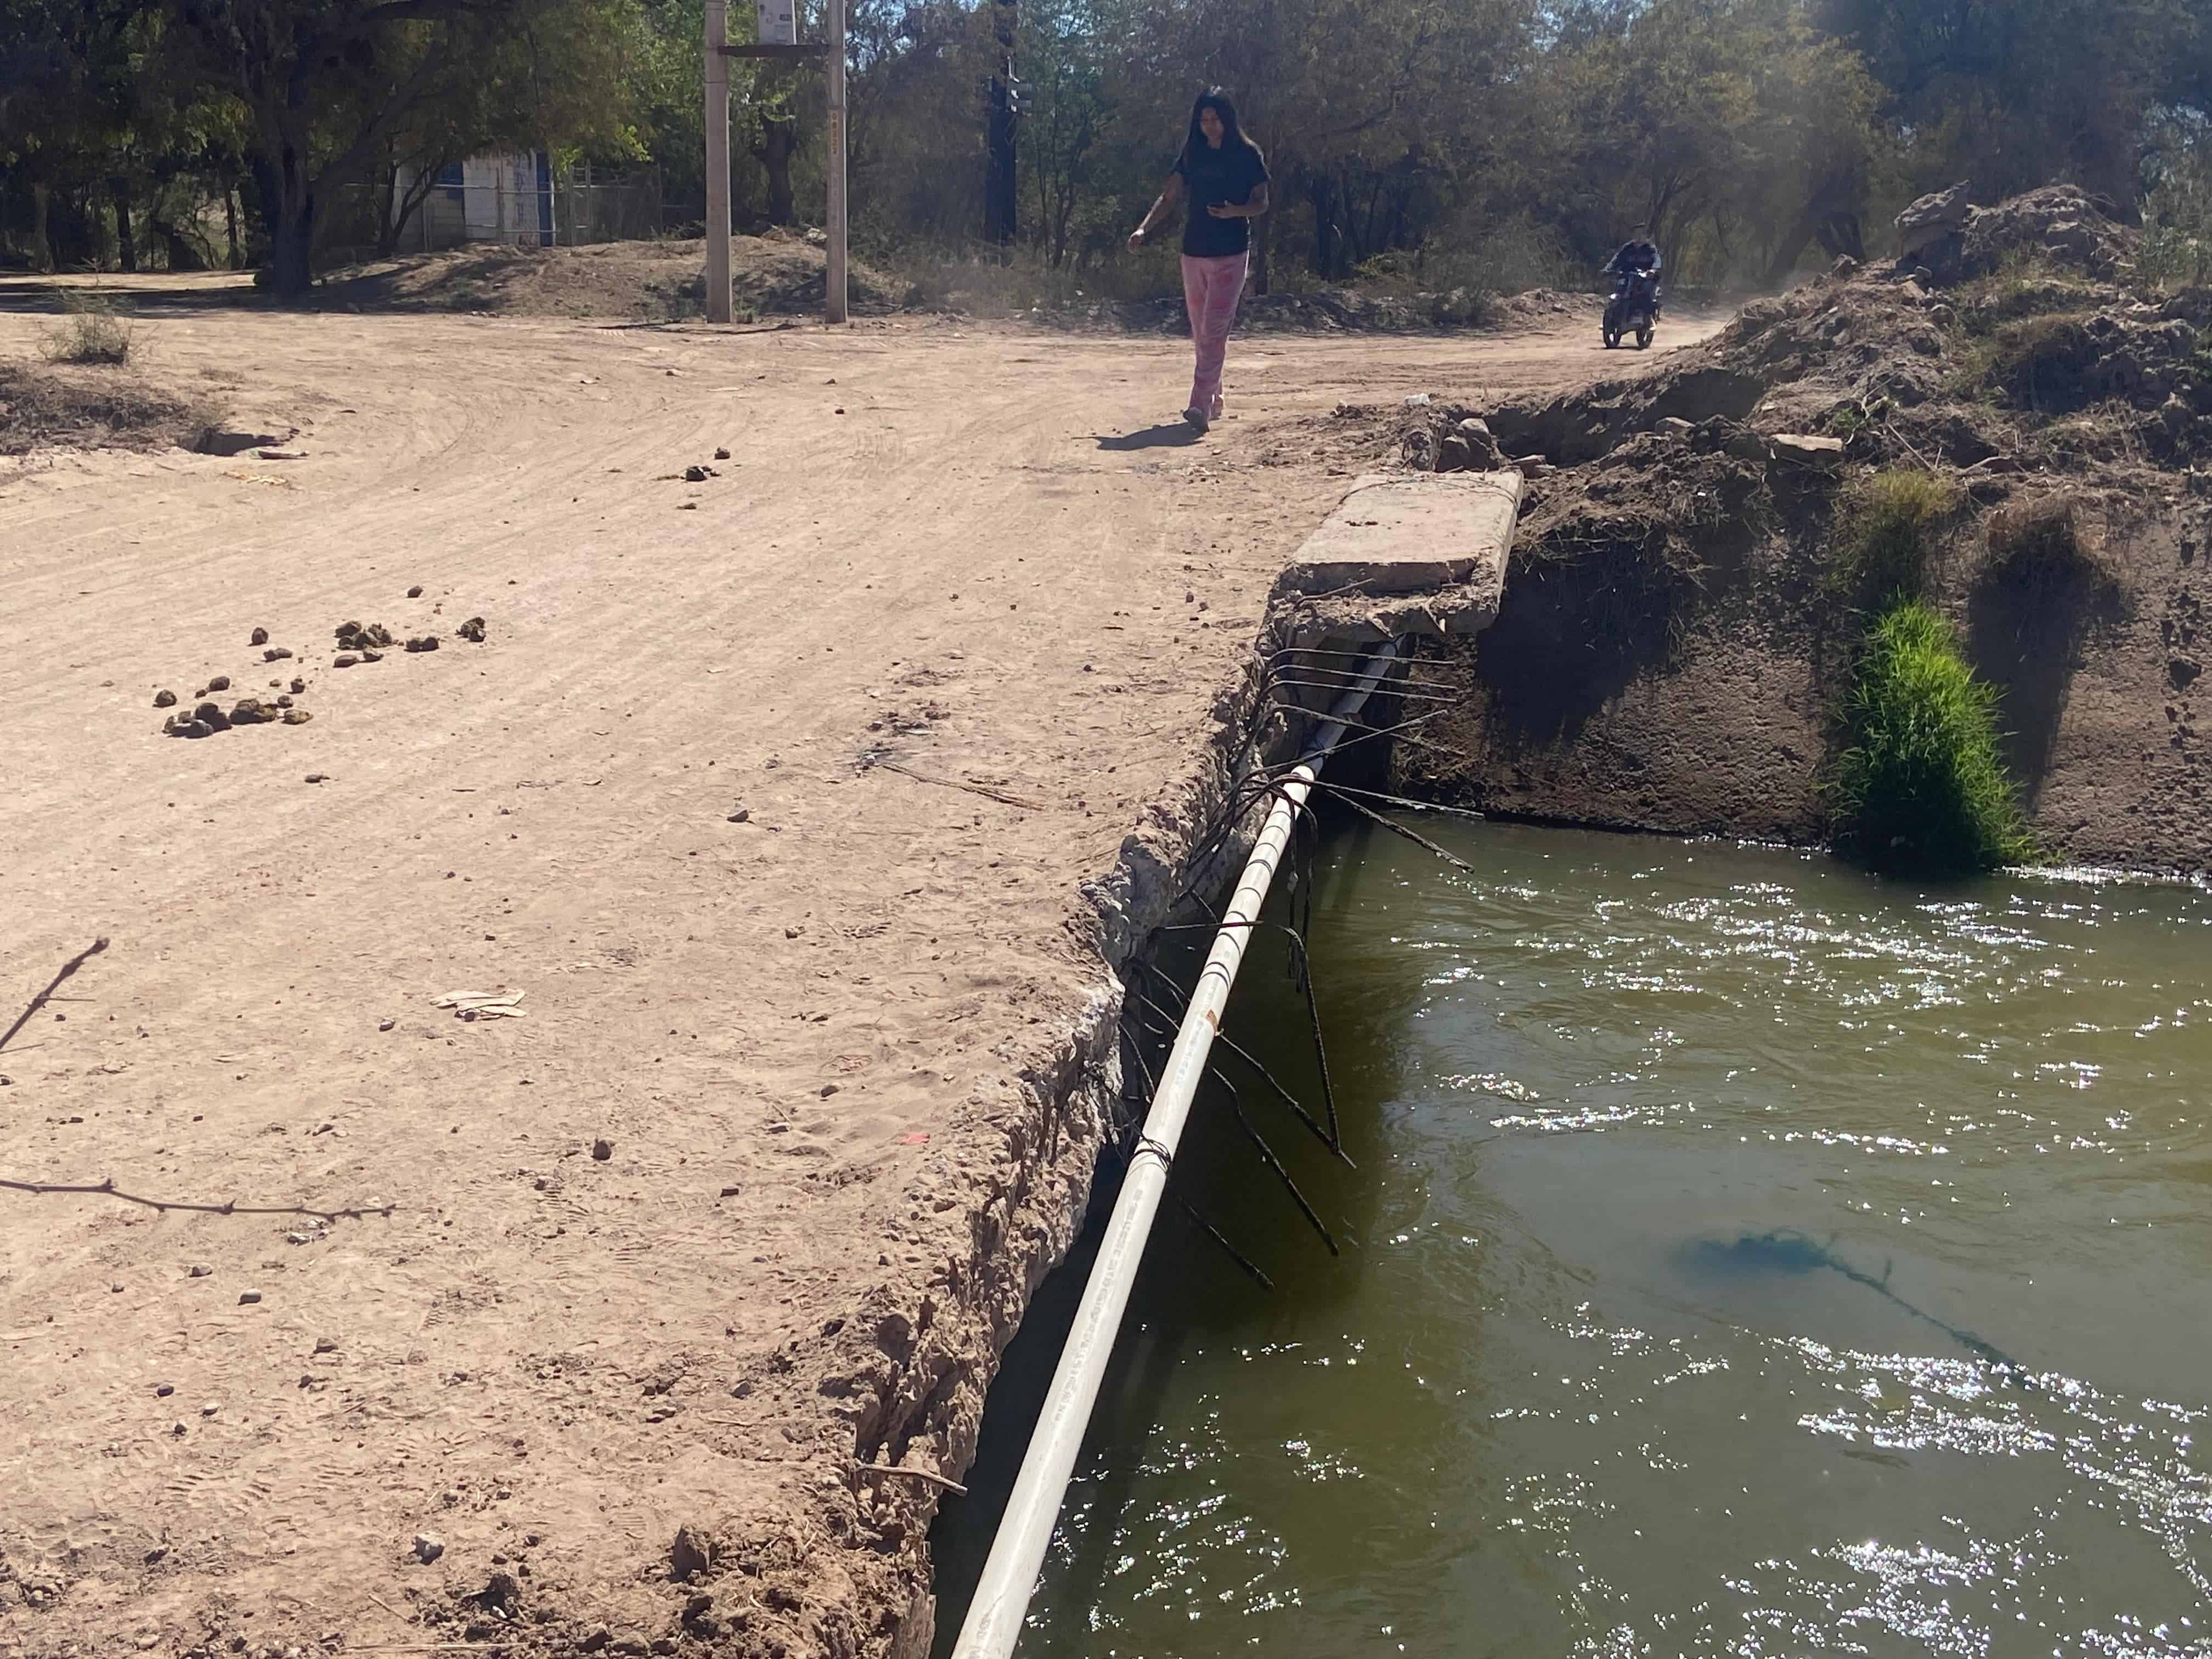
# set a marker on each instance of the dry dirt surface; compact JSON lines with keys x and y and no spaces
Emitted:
{"x":755,"y":829}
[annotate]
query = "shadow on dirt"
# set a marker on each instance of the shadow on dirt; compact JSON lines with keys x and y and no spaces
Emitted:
{"x":1174,"y":434}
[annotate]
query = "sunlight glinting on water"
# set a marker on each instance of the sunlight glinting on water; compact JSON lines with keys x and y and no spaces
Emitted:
{"x":1745,"y":1257}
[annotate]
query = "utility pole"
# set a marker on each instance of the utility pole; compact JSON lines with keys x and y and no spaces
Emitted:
{"x":718,"y":162}
{"x":834,"y":277}
{"x":1000,"y":189}
{"x":778,"y":28}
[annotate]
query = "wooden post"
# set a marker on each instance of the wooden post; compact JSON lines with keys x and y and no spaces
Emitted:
{"x":718,"y":163}
{"x":834,"y":283}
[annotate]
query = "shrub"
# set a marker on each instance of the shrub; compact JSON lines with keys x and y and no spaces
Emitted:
{"x":2176,"y":209}
{"x":2038,"y":358}
{"x":2046,"y":562}
{"x":40,"y":407}
{"x":2022,"y":285}
{"x":1921,"y":786}
{"x":90,"y":331}
{"x":2038,"y":543}
{"x":1892,"y":523}
{"x":1847,"y":420}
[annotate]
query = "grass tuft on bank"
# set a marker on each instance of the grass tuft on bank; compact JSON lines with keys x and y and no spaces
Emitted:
{"x":1921,"y":786}
{"x":1893,"y":526}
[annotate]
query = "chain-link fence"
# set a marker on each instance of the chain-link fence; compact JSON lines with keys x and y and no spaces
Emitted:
{"x":512,"y":200}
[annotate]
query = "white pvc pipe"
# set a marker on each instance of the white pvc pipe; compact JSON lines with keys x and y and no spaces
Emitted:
{"x":1002,"y":1595}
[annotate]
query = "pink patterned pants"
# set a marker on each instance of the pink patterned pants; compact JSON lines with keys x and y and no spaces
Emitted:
{"x":1211,"y":289}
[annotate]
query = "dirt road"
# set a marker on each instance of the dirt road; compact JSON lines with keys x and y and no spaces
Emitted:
{"x":628,"y":1262}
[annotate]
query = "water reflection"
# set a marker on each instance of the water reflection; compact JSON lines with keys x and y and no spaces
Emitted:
{"x":1745,"y":1258}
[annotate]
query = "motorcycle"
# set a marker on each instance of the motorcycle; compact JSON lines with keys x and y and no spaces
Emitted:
{"x":1633,"y":309}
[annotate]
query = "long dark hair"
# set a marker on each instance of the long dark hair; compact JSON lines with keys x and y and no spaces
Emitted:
{"x":1232,"y":129}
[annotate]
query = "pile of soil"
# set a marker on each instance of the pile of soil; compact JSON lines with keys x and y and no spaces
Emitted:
{"x":780,"y":272}
{"x":1549,"y":307}
{"x":95,"y":408}
{"x":1675,"y":635}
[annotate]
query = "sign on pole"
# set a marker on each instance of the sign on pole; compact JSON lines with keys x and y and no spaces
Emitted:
{"x":779,"y":21}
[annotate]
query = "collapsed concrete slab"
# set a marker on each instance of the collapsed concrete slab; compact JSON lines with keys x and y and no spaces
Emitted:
{"x":1420,"y":553}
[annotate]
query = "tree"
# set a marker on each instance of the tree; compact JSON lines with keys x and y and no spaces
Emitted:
{"x":328,"y":86}
{"x":1732,"y":127}
{"x":2013,"y":94}
{"x":1065,"y":57}
{"x":1002,"y":184}
{"x":78,"y":110}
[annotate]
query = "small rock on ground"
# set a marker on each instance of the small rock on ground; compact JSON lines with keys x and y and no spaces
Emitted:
{"x":690,"y":1553}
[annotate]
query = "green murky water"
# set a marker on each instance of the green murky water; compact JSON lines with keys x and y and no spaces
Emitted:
{"x":1744,"y":1257}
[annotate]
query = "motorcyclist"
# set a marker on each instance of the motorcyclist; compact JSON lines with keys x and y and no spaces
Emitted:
{"x":1639,"y":253}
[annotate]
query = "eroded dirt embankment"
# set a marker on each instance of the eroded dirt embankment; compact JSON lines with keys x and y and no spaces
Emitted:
{"x":1677,"y":625}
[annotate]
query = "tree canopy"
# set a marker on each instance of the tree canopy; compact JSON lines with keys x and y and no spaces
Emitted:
{"x":1485,"y":141}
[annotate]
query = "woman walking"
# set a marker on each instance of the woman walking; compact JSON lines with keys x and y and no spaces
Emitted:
{"x":1224,"y":176}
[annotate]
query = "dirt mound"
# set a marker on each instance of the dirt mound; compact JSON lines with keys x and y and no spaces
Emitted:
{"x":1685,"y":556}
{"x":783,"y":271}
{"x":2060,"y":224}
{"x":1548,"y":308}
{"x":2044,"y":363}
{"x":94,"y":408}
{"x":780,"y":273}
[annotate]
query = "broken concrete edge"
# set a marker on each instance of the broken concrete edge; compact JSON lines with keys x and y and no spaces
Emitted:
{"x":1460,"y":523}
{"x":905,"y":1378}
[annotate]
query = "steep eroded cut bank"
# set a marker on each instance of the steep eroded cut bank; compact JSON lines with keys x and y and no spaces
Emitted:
{"x":1682,"y":614}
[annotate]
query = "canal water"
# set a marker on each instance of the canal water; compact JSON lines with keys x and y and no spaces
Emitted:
{"x":1745,"y":1256}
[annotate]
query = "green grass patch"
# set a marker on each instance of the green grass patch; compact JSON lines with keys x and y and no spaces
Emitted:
{"x":1893,"y":524}
{"x":1921,"y":786}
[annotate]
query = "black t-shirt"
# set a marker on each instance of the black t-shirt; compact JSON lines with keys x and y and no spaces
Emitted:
{"x":1226,"y":176}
